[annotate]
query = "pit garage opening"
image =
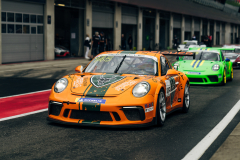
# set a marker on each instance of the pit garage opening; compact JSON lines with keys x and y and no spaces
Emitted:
{"x":129,"y":25}
{"x":69,"y":17}
{"x":102,"y":21}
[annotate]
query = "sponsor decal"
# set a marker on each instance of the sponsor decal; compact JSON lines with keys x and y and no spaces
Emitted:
{"x":104,"y":80}
{"x":78,"y":82}
{"x":91,"y":100}
{"x":149,"y":107}
{"x":103,"y":59}
{"x":197,"y":73}
{"x":85,"y":79}
{"x":179,"y":100}
{"x":124,"y":85}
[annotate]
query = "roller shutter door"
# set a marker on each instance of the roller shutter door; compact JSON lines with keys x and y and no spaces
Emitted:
{"x":188,"y":23}
{"x":217,"y":27}
{"x":102,"y":19}
{"x":23,"y":39}
{"x":196,"y":24}
{"x":129,"y":15}
{"x":177,"y":21}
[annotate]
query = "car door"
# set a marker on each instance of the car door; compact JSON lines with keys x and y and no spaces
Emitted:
{"x":172,"y":83}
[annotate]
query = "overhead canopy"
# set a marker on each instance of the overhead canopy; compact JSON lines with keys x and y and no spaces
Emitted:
{"x":185,"y":7}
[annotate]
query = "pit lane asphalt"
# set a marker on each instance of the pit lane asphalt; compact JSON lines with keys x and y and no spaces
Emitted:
{"x":32,"y":137}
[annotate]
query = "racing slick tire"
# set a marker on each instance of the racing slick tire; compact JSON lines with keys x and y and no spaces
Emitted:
{"x":224,"y":80}
{"x":231,"y":76}
{"x":161,"y":108}
{"x":186,"y":99}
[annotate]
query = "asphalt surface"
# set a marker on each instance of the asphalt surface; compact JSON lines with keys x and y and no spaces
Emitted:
{"x":32,"y":137}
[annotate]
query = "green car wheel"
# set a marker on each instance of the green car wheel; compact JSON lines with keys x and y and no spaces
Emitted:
{"x":224,"y":80}
{"x":231,"y":77}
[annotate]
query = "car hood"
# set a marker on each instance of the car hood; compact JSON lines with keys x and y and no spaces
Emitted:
{"x":196,"y":65}
{"x":104,"y":85}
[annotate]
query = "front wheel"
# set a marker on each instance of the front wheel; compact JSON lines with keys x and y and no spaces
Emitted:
{"x":186,"y":99}
{"x":161,"y":109}
{"x":231,"y":76}
{"x":224,"y":80}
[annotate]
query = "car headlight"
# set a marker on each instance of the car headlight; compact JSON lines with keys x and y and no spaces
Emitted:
{"x":60,"y":85}
{"x":176,"y":66}
{"x":141,"y":89}
{"x":215,"y":67}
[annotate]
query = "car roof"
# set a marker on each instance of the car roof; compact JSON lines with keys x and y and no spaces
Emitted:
{"x":150,"y":53}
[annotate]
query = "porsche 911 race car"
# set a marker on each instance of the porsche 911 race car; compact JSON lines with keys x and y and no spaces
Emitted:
{"x":120,"y":89}
{"x":207,"y":66}
{"x":234,"y":56}
{"x":188,"y":44}
{"x":61,"y":51}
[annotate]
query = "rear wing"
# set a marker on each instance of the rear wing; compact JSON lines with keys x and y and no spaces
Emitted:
{"x":211,"y":48}
{"x":178,"y":53}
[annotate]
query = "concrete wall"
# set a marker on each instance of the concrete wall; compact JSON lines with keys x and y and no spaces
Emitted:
{"x":117,"y":30}
{"x":201,"y":32}
{"x":220,"y":33}
{"x":227,"y":33}
{"x":157,"y":31}
{"x":0,"y":32}
{"x":192,"y":29}
{"x":208,"y":28}
{"x":88,"y":22}
{"x":214,"y":33}
{"x":183,"y":29}
{"x":140,"y":29}
{"x":49,"y":31}
{"x":171,"y":30}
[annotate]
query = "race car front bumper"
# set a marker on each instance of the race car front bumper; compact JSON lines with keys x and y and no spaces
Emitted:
{"x":203,"y":79}
{"x":107,"y":115}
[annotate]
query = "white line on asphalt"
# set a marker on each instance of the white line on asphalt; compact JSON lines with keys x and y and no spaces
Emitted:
{"x":204,"y":144}
{"x":24,"y":114}
{"x":25,"y":93}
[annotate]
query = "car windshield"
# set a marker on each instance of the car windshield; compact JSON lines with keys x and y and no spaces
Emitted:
{"x":230,"y":55}
{"x":211,"y":56}
{"x":190,"y":43}
{"x":123,"y":64}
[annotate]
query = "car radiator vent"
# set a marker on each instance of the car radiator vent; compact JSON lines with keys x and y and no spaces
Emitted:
{"x":91,"y":115}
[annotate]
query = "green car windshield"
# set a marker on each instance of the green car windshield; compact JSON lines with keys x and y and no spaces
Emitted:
{"x":211,"y":56}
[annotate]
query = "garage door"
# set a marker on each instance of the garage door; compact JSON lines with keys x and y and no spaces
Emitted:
{"x":102,"y":15}
{"x":188,"y":23}
{"x":22,"y":33}
{"x":196,"y":24}
{"x":129,"y":15}
{"x":102,"y":19}
{"x":177,"y":21}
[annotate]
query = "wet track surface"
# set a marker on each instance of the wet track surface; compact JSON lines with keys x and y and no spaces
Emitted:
{"x":32,"y":137}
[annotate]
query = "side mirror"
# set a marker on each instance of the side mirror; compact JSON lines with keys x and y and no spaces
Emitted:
{"x":177,"y":58}
{"x":79,"y":69}
{"x":172,"y":72}
{"x":227,"y":60}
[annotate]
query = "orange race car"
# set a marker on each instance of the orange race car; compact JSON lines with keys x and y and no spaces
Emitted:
{"x":120,"y":89}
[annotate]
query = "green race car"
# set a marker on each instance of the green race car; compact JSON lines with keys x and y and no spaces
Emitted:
{"x":207,"y":66}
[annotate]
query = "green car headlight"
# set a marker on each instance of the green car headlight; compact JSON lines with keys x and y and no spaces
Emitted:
{"x":141,"y":89}
{"x":176,"y":66}
{"x":60,"y":85}
{"x":215,"y":67}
